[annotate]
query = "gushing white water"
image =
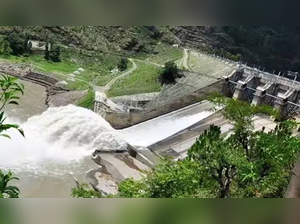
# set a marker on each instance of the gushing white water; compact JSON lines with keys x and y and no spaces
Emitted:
{"x":58,"y":139}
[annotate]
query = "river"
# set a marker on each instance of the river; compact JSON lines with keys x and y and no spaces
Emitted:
{"x":57,"y":146}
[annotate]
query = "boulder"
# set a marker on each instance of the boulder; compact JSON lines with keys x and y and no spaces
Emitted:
{"x":102,"y":181}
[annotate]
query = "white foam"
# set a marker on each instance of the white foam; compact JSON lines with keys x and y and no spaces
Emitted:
{"x":60,"y":137}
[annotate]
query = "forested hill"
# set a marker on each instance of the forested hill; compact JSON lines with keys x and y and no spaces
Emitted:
{"x":273,"y":47}
{"x":117,"y":39}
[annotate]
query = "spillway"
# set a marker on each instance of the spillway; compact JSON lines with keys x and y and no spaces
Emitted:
{"x":157,"y":129}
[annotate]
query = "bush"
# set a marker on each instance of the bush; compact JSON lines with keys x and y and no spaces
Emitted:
{"x":19,"y":43}
{"x":54,"y":54}
{"x":169,"y":73}
{"x":5,"y":48}
{"x":122,"y":65}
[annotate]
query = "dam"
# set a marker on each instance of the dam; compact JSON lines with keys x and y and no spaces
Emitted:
{"x":60,"y":141}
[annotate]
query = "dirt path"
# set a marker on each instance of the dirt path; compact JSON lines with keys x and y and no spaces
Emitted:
{"x":186,"y":58}
{"x":111,"y":82}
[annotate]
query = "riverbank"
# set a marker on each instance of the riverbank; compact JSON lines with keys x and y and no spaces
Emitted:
{"x":55,"y":95}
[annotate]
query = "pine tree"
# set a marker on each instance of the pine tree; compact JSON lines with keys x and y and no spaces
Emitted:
{"x":47,"y":52}
{"x":55,"y":53}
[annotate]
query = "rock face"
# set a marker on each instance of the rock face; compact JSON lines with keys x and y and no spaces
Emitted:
{"x":194,"y":36}
{"x":121,"y":166}
{"x":113,"y":169}
{"x":18,"y":70}
{"x":102,"y":181}
{"x":66,"y":98}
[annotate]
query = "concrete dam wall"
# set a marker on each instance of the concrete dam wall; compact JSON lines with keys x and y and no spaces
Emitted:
{"x":120,"y":120}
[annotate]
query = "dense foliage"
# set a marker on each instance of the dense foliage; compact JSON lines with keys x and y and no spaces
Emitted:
{"x":15,"y":42}
{"x":245,"y":163}
{"x":9,"y":90}
{"x":273,"y":47}
{"x":83,"y":191}
{"x":5,"y":190}
{"x":123,"y":64}
{"x":52,"y":50}
{"x":169,"y":73}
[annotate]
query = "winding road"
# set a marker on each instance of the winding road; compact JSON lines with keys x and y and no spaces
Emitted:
{"x":111,"y":82}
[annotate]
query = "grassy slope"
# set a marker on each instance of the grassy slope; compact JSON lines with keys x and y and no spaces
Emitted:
{"x":97,"y":67}
{"x":88,"y":100}
{"x":98,"y":50}
{"x":142,"y":80}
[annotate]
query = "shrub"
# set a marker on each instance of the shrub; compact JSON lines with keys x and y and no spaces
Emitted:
{"x":169,"y":73}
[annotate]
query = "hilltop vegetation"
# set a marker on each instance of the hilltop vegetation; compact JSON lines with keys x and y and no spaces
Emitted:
{"x":117,"y":39}
{"x":272,"y":47}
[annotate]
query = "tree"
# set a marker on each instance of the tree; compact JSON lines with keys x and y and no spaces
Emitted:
{"x":52,"y":53}
{"x":218,"y":159}
{"x":5,"y":48}
{"x":16,"y":43}
{"x":29,"y":47}
{"x":169,"y":73}
{"x":9,"y":90}
{"x":19,"y":42}
{"x":170,"y":179}
{"x":122,"y":65}
{"x":248,"y":163}
{"x":47,"y":52}
{"x":55,"y":53}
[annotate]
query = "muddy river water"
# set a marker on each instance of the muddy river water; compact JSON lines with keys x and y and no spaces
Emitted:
{"x":38,"y":161}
